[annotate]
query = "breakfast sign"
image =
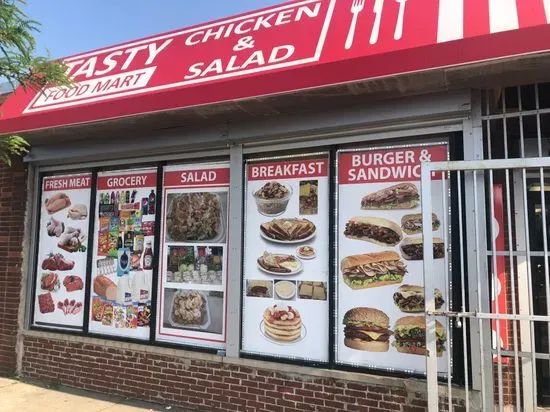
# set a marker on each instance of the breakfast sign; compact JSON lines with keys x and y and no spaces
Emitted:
{"x":380,"y":287}
{"x":323,"y":41}
{"x":286,"y":258}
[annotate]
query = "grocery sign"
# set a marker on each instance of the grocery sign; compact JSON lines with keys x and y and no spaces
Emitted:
{"x":293,"y":46}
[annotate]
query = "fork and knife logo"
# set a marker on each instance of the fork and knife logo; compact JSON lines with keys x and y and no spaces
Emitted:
{"x":359,"y":5}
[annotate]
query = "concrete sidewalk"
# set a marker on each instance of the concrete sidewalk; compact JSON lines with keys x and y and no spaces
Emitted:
{"x":22,"y":396}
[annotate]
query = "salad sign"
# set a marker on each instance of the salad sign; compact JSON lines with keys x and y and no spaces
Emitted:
{"x":123,"y":253}
{"x":63,"y":242}
{"x":191,"y":307}
{"x":380,"y":302}
{"x":285,"y":312}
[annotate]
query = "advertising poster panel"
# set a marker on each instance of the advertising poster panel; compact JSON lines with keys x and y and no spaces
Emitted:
{"x":122,"y":271}
{"x":380,"y":304}
{"x":193,"y":266}
{"x":286,"y":258}
{"x":62,"y":251}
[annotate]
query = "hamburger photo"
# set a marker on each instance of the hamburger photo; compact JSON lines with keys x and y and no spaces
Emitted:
{"x":412,"y":248}
{"x":381,"y":232}
{"x":410,"y":298}
{"x":410,"y":336}
{"x":400,"y":196}
{"x":371,"y":270}
{"x":367,"y":329}
{"x":412,"y":224}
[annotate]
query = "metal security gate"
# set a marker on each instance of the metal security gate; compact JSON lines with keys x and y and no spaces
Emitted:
{"x":501,"y":303}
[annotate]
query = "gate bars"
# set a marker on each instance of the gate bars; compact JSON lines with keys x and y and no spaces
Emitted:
{"x":518,"y":273}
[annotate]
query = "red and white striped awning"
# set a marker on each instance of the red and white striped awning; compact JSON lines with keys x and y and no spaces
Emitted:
{"x":298,"y":45}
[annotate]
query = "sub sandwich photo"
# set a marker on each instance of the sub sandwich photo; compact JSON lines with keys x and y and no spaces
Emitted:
{"x":372,"y":270}
{"x":412,"y":248}
{"x":381,"y":232}
{"x":412,"y":224}
{"x":400,"y":196}
{"x":410,"y":298}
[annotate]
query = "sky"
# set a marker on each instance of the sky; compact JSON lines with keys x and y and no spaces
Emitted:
{"x":75,"y":26}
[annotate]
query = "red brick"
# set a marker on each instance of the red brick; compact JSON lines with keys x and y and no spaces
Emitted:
{"x":394,"y":399}
{"x":367,"y":402}
{"x":389,"y":405}
{"x":359,"y":387}
{"x":283,"y":402}
{"x":334,"y":404}
{"x":408,"y":408}
{"x":379,"y":389}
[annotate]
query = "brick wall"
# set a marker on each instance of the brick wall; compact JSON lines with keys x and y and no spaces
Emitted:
{"x":208,"y":385}
{"x":13,"y":183}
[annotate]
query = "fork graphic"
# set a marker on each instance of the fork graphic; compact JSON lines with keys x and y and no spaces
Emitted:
{"x":356,"y":8}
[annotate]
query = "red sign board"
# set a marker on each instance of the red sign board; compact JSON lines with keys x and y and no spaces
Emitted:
{"x":67,"y":183}
{"x":197,"y":177}
{"x":299,"y":44}
{"x":127,"y":181}
{"x":288,"y":170}
{"x":398,"y":165}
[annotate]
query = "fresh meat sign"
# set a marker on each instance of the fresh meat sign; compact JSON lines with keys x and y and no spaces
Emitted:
{"x":298,"y":45}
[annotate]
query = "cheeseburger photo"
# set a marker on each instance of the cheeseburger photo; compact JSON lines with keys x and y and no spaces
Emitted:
{"x":381,"y":232}
{"x":410,"y":298}
{"x":367,"y":329}
{"x":372,"y":270}
{"x":410,"y":336}
{"x":400,"y":196}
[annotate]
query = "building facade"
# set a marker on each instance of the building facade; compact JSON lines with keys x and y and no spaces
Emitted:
{"x":235,"y":216}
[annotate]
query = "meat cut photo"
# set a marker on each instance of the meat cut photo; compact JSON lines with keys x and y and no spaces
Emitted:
{"x":57,"y":202}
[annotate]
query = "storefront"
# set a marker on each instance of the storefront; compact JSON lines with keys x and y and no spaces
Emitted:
{"x":229,"y":216}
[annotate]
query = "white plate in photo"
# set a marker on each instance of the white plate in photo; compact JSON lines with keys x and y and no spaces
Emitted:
{"x":220,"y":230}
{"x":290,"y":290}
{"x":291,"y":273}
{"x":287,"y":242}
{"x":313,"y":256}
{"x":283,"y":343}
{"x":203,"y":326}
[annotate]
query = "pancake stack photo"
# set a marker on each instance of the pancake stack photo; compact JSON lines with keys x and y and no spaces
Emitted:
{"x":282,"y":323}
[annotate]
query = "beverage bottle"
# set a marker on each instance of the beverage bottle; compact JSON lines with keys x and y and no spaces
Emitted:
{"x":151,"y":203}
{"x":148,"y":256}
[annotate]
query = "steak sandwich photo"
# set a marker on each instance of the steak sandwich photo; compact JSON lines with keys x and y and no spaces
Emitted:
{"x":381,"y":232}
{"x":400,"y":196}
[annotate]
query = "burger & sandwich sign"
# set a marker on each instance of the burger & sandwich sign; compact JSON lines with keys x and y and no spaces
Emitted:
{"x":380,"y":306}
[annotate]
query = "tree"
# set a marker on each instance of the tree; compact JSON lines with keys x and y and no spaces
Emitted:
{"x":21,"y":66}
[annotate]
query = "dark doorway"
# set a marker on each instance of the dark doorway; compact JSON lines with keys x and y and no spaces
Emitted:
{"x":536,"y":238}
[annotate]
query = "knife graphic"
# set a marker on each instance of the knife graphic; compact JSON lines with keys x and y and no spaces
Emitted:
{"x":378,"y":6}
{"x":399,"y":26}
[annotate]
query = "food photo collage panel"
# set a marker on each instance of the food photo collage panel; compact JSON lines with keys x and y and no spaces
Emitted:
{"x":371,"y":259}
{"x":192,"y":286}
{"x":380,"y":294}
{"x":62,"y":251}
{"x":122,"y":271}
{"x":286,"y":258}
